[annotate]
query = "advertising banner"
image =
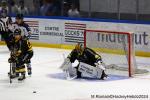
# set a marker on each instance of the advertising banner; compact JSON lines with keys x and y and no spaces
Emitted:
{"x":63,"y":31}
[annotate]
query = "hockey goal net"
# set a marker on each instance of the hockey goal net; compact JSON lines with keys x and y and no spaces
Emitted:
{"x":116,"y":49}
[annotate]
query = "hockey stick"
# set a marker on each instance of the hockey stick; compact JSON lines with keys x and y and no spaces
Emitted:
{"x":10,"y":80}
{"x":11,"y":66}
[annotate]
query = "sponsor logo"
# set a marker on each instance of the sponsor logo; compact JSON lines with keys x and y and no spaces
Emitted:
{"x":74,"y":32}
{"x":34,"y":25}
{"x":139,"y":39}
{"x":51,"y":31}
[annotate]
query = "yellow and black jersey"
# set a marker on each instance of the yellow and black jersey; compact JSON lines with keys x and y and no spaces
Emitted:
{"x":88,"y":56}
{"x":23,"y":45}
{"x":73,"y":55}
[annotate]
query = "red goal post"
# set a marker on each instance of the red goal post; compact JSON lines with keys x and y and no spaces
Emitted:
{"x":99,"y":40}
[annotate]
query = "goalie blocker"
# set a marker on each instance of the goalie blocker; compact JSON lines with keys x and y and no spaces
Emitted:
{"x":90,"y":64}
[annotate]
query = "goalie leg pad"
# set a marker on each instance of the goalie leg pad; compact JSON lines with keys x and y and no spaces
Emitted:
{"x":70,"y":73}
{"x":66,"y":64}
{"x":89,"y":70}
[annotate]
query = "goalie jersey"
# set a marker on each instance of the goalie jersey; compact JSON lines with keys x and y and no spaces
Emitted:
{"x":87,"y":56}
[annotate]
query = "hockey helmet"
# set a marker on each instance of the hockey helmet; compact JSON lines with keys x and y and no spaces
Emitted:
{"x":79,"y":47}
{"x":17,"y":32}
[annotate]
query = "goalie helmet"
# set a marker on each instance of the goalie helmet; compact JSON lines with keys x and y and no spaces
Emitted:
{"x":79,"y":47}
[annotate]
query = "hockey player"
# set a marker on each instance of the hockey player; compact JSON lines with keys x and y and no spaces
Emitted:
{"x":19,"y":23}
{"x":23,"y":54}
{"x":5,"y":22}
{"x":90,"y":63}
{"x":25,"y":32}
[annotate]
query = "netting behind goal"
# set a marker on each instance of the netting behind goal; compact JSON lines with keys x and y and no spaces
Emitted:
{"x":116,"y":49}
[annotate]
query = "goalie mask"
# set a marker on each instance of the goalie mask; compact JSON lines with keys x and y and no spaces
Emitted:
{"x":79,"y":47}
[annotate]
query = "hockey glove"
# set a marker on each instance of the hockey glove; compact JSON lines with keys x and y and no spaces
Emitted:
{"x":18,"y":53}
{"x":11,"y":60}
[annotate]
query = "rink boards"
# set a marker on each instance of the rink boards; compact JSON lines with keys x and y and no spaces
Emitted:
{"x":65,"y":33}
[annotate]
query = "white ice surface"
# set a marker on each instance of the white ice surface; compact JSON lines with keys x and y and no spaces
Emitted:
{"x":49,"y":83}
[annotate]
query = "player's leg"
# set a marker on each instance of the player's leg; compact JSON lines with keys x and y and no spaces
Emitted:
{"x":27,"y":60}
{"x":22,"y":72}
{"x":20,"y":68}
{"x":28,"y":57}
{"x":78,"y":72}
{"x":101,"y":65}
{"x":67,"y":68}
{"x":91,"y":71}
{"x":29,"y":68}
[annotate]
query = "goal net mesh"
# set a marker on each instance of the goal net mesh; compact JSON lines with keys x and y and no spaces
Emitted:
{"x":116,"y":50}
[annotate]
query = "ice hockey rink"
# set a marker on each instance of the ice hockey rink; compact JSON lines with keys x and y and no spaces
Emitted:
{"x":48,"y":83}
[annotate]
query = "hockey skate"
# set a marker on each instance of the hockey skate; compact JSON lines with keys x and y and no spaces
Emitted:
{"x":22,"y":77}
{"x":29,"y":71}
{"x":14,"y":76}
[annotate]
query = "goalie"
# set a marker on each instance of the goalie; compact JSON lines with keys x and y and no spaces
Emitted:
{"x":90,"y":64}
